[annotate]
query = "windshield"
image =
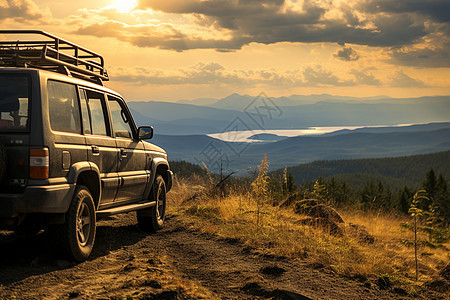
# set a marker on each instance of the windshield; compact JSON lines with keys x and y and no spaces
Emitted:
{"x":14,"y":96}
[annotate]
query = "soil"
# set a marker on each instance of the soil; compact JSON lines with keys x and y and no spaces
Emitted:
{"x":178,"y":262}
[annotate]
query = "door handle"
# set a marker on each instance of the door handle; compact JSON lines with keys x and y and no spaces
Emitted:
{"x":95,"y":149}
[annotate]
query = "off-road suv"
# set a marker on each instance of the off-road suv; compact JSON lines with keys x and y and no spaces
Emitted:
{"x":70,"y":151}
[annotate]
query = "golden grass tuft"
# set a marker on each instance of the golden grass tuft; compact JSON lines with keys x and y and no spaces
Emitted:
{"x":281,"y":232}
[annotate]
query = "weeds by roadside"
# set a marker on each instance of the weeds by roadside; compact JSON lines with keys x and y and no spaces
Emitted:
{"x":282,"y":232}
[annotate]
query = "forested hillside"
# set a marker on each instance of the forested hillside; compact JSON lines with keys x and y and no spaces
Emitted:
{"x":394,"y":172}
{"x":383,"y":184}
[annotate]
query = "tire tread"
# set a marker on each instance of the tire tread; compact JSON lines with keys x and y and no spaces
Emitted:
{"x":63,"y":233}
{"x":146,"y":218}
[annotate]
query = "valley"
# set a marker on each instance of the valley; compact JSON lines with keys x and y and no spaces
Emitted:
{"x":302,"y":128}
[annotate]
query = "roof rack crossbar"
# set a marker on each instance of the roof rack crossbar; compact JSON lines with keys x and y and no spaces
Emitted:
{"x":49,"y":53}
{"x":73,"y":68}
{"x":18,"y":43}
{"x":78,"y":61}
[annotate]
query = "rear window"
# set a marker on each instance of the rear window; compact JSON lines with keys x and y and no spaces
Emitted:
{"x":14,"y":102}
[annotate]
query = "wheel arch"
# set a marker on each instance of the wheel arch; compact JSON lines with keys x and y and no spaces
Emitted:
{"x":162,"y":170}
{"x":160,"y":166}
{"x":88,"y":175}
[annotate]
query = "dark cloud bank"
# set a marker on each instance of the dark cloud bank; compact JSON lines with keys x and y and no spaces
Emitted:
{"x":395,"y":25}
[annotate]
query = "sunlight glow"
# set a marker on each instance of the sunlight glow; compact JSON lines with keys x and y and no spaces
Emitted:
{"x":123,"y":6}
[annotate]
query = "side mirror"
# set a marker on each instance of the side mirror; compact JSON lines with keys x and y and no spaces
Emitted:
{"x":145,"y":132}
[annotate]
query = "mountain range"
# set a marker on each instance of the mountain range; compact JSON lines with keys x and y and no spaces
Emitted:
{"x":181,"y":128}
{"x":293,"y":112}
{"x":379,"y":142}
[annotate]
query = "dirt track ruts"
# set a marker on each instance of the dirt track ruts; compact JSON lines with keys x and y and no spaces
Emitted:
{"x":175,"y":263}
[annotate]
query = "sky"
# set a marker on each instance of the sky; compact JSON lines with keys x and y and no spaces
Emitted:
{"x":185,"y":49}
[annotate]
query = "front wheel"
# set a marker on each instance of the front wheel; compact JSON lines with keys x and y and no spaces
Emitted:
{"x":152,"y":219}
{"x":77,"y":235}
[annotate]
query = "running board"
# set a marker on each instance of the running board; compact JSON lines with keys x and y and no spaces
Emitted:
{"x":124,"y":209}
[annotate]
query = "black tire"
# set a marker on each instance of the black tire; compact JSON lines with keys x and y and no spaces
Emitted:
{"x":152,"y":219}
{"x":77,"y":235}
{"x":3,"y":161}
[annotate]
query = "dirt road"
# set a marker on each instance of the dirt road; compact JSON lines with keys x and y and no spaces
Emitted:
{"x":175,"y":263}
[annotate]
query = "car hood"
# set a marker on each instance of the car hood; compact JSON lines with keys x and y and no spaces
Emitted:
{"x":152,"y":147}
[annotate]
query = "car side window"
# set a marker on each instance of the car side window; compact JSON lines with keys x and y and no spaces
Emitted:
{"x":120,"y":119}
{"x":85,"y":116}
{"x":64,"y":109}
{"x":94,"y":111}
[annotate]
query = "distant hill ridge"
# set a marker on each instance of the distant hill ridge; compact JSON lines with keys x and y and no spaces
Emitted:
{"x":296,"y":112}
{"x":236,"y":101}
{"x":393,"y":172}
{"x":305,"y":149}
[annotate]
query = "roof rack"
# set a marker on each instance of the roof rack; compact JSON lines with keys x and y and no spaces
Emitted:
{"x":53,"y":54}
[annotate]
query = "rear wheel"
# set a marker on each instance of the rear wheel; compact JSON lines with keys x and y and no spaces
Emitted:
{"x":77,"y":235}
{"x":152,"y":219}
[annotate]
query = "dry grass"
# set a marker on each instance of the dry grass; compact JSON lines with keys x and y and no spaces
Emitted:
{"x":398,"y":258}
{"x":281,"y":232}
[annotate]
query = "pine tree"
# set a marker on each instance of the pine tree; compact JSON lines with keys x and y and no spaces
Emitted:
{"x":291,"y":186}
{"x":437,"y":191}
{"x":333,"y":190}
{"x":417,"y":213}
{"x":404,"y":201}
{"x":388,"y":203}
{"x":442,"y":199}
{"x":430,"y":185}
{"x":320,"y":190}
{"x":371,"y":195}
{"x":344,"y":193}
{"x":427,"y":221}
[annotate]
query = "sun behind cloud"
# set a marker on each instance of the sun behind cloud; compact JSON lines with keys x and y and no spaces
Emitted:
{"x":123,"y":6}
{"x":341,"y":47}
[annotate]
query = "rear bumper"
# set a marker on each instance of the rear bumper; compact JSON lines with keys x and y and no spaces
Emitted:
{"x":37,"y":199}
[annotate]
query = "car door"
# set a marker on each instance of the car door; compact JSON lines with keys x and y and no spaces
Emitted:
{"x":102,"y":149}
{"x":69,"y":145}
{"x":132,"y":156}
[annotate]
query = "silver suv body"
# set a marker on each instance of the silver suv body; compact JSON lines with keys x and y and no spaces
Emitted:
{"x":70,"y":151}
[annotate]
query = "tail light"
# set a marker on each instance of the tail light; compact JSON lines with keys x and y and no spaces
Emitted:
{"x":39,"y":163}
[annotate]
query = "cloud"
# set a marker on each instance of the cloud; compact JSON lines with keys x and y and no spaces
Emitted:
{"x":199,"y":74}
{"x":428,"y":57}
{"x":317,"y":76}
{"x":402,"y":80}
{"x":23,"y":11}
{"x":163,"y":36}
{"x":365,"y":77}
{"x":437,"y":10}
{"x":234,"y":24}
{"x":215,"y":74}
{"x":347,"y":54}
